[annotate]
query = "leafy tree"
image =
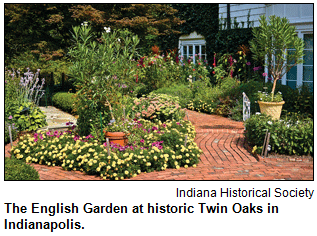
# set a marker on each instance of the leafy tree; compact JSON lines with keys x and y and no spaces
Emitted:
{"x":272,"y":39}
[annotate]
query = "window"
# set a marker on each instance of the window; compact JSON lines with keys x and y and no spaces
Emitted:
{"x":308,"y":65}
{"x":302,"y":74}
{"x":192,"y":45}
{"x":191,"y":49}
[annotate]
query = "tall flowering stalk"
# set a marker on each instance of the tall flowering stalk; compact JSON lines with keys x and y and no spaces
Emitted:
{"x":30,"y":88}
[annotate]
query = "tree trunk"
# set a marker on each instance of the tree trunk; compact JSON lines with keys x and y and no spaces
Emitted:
{"x":273,"y":89}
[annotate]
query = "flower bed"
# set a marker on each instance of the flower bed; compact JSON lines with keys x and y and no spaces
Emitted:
{"x":153,"y":146}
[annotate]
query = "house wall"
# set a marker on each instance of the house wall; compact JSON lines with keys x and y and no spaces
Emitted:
{"x":240,"y":11}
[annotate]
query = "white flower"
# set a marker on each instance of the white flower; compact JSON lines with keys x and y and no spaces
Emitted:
{"x":119,"y":40}
{"x":258,"y":113}
{"x":269,"y":147}
{"x":269,"y":122}
{"x":107,"y":29}
{"x":85,"y":23}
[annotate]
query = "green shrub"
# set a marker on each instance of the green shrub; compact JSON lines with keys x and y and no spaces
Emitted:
{"x":19,"y":170}
{"x":290,"y":135}
{"x":182,"y":91}
{"x":64,"y":101}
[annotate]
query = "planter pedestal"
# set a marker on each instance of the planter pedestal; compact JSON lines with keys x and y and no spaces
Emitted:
{"x":273,"y":109}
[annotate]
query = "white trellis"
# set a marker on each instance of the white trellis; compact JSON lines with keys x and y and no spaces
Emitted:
{"x":246,"y":107}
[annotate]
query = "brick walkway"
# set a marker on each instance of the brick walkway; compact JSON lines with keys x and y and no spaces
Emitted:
{"x":225,"y":157}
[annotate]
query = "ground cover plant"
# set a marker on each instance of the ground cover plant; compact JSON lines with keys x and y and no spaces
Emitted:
{"x":156,"y":146}
{"x":290,"y":135}
{"x":19,"y":170}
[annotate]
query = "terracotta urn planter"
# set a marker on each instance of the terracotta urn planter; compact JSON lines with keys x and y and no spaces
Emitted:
{"x":273,"y":109}
{"x":117,"y":137}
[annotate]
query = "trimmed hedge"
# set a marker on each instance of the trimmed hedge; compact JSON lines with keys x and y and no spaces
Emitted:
{"x":64,"y":101}
{"x":19,"y":170}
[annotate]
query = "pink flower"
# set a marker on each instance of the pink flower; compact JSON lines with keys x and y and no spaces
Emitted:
{"x":142,"y":141}
{"x":248,"y":63}
{"x":264,"y":74}
{"x":10,"y":117}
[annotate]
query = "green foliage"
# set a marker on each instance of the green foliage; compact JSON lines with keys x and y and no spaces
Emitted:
{"x":265,"y":97}
{"x":164,"y":71}
{"x":160,"y":107}
{"x":64,"y":101}
{"x":104,"y":71}
{"x":32,"y":61}
{"x":29,"y":117}
{"x":19,"y":170}
{"x":290,"y":135}
{"x":272,"y":39}
{"x":182,"y":91}
{"x":198,"y":18}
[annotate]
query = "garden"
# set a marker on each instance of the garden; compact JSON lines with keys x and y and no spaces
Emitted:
{"x":131,"y":107}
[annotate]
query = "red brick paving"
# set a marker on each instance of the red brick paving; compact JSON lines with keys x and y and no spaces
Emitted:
{"x":225,"y":157}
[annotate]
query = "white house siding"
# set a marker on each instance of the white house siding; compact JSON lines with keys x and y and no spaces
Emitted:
{"x":241,"y":11}
{"x":295,"y":13}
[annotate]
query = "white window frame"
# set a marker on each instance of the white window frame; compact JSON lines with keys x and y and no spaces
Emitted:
{"x":193,"y":43}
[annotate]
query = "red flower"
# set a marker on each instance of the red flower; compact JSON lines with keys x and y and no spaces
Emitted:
{"x":214,"y":72}
{"x":193,"y":69}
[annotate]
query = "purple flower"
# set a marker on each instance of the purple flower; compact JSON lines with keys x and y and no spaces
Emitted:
{"x":69,"y":123}
{"x":159,"y":147}
{"x":248,"y":63}
{"x":154,"y":128}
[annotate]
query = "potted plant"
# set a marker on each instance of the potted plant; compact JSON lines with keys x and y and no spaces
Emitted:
{"x":270,"y":44}
{"x":118,"y":130}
